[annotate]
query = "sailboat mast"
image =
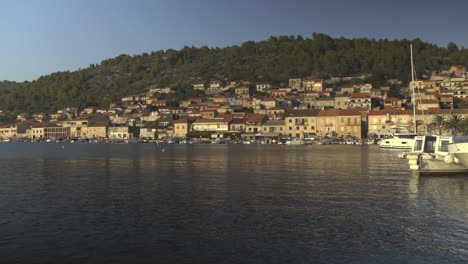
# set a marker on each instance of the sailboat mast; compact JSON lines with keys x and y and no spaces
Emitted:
{"x":412,"y":84}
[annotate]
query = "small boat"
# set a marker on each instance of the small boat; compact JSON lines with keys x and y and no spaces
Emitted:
{"x":294,"y":141}
{"x":399,"y":141}
{"x":459,"y":149}
{"x":430,"y":155}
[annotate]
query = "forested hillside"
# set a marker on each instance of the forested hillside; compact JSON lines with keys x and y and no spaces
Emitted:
{"x":275,"y":60}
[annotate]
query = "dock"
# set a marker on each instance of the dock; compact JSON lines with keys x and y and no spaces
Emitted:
{"x":457,"y":172}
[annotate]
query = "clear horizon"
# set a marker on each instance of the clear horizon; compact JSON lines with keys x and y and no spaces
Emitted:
{"x":42,"y":37}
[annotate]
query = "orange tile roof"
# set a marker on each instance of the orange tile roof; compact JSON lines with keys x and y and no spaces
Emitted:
{"x":329,"y":112}
{"x":349,"y":112}
{"x":360,"y":95}
{"x":299,"y":113}
{"x":99,"y":124}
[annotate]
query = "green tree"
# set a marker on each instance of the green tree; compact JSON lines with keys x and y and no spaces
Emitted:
{"x":439,"y":123}
{"x":455,"y":123}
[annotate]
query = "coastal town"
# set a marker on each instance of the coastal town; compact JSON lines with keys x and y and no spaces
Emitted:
{"x":303,"y":109}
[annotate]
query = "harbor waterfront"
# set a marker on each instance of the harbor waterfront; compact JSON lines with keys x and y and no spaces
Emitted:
{"x":186,"y":203}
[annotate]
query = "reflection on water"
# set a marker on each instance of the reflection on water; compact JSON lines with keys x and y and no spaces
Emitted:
{"x":220,"y":203}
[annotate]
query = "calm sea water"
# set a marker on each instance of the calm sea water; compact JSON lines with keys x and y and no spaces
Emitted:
{"x":105,"y":203}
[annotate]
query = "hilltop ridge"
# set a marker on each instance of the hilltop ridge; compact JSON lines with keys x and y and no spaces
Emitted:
{"x":275,"y":60}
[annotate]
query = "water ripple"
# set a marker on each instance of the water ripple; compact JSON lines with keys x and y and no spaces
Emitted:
{"x":217,"y":203}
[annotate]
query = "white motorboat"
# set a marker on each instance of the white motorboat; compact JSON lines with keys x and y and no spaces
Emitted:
{"x":431,"y":156}
{"x":399,"y":141}
{"x":459,"y":149}
{"x":294,"y":141}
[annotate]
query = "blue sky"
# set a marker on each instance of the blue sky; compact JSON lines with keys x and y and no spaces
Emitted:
{"x":39,"y":37}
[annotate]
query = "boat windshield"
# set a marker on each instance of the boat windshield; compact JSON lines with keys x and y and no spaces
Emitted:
{"x":443,"y":147}
{"x":405,"y":135}
{"x":418,"y":144}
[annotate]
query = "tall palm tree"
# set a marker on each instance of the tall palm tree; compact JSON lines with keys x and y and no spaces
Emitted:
{"x":455,"y":123}
{"x":439,"y":122}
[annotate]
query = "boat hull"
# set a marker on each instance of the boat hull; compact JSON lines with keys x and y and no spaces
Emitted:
{"x":460,"y":151}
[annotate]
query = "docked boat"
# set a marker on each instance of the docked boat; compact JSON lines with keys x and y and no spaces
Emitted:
{"x":459,"y":149}
{"x":294,"y":141}
{"x":431,"y":155}
{"x":399,"y":141}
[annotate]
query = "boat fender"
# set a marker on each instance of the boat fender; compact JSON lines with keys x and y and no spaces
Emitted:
{"x":411,"y":156}
{"x":414,"y":167}
{"x":413,"y":162}
{"x":449,"y":159}
{"x":456,"y":160}
{"x":402,"y":155}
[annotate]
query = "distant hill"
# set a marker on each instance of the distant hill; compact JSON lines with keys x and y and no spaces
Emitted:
{"x":275,"y":60}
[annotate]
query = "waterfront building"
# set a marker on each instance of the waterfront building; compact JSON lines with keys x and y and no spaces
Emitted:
{"x":301,"y":123}
{"x":97,"y":130}
{"x":49,"y":131}
{"x":182,"y":127}
{"x":214,"y":125}
{"x":254,"y":122}
{"x":327,"y":123}
{"x":122,"y":132}
{"x":383,"y":123}
{"x":349,"y":123}
{"x":77,"y":126}
{"x":148,"y":133}
{"x":272,"y":128}
{"x":237,"y":124}
{"x":7,"y":131}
